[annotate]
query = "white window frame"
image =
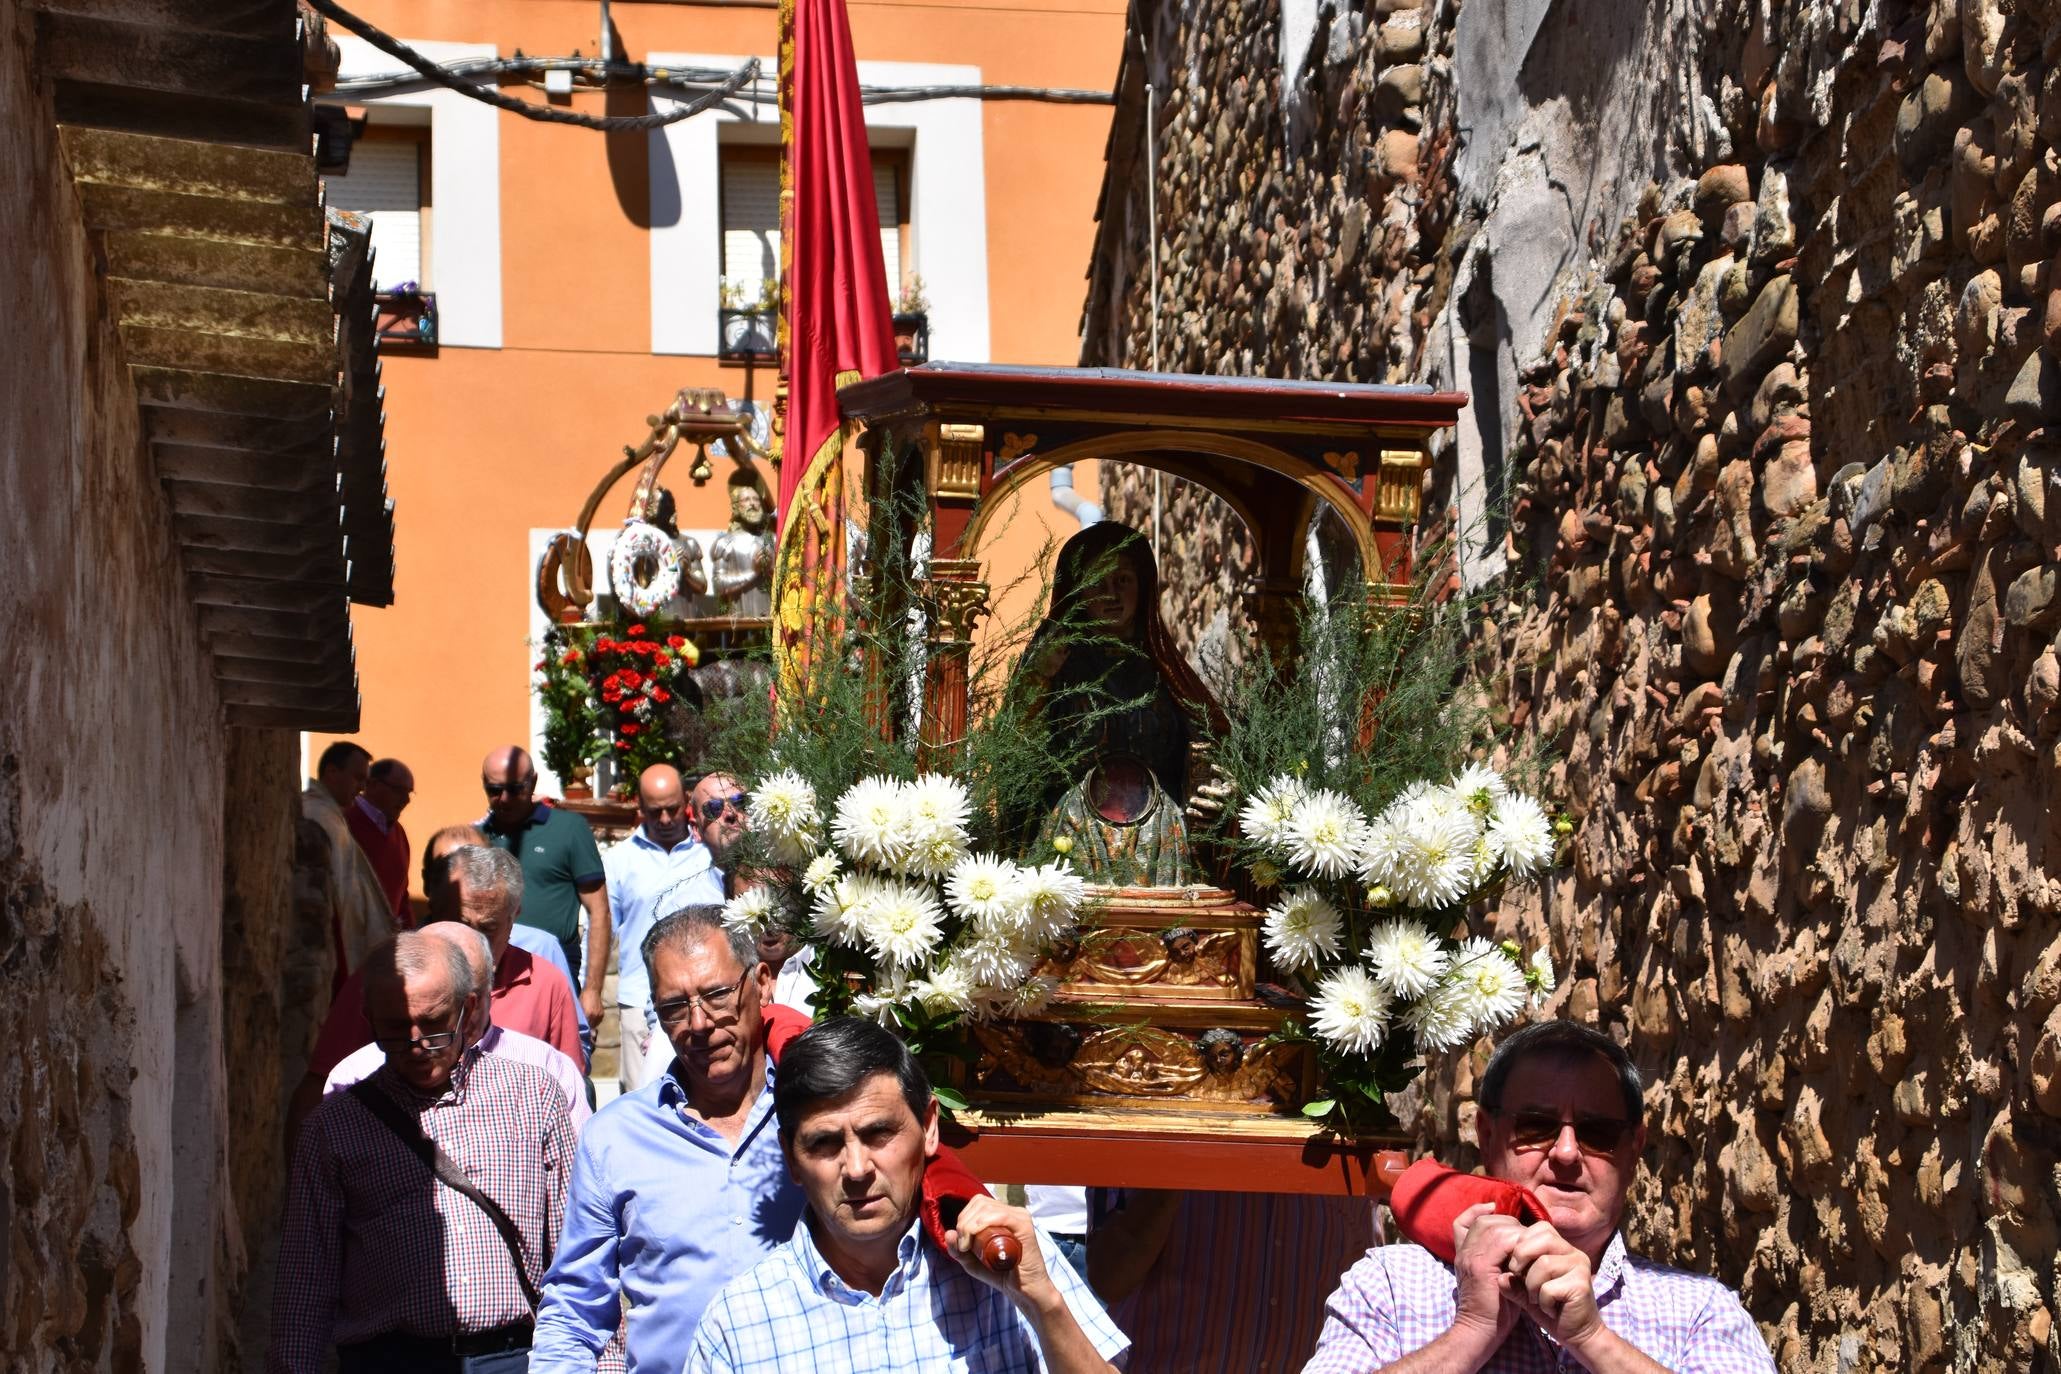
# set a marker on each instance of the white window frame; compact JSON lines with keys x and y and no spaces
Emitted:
{"x":947,"y":188}
{"x":463,"y":253}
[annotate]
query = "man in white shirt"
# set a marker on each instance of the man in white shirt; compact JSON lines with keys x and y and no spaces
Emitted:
{"x":661,"y":867}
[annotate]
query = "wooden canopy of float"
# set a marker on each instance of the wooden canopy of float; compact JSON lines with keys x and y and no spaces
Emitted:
{"x":1130,"y":1095}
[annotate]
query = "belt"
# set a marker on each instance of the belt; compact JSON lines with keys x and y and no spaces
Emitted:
{"x":401,"y":1345}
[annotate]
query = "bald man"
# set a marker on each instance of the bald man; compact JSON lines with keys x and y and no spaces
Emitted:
{"x":661,"y":867}
{"x":480,"y":1030}
{"x":562,"y":872}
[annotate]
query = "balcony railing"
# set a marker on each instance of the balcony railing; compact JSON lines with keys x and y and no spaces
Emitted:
{"x":407,"y":320}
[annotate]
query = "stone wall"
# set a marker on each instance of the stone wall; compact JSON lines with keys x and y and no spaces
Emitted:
{"x":1758,"y":308}
{"x":123,"y":800}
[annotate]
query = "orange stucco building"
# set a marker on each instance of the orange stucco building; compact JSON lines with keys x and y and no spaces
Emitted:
{"x":578,"y":275}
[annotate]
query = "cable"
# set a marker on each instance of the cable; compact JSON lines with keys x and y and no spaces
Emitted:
{"x":394,"y":47}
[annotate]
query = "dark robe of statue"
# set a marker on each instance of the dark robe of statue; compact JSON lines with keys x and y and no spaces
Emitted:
{"x":1121,"y":827}
{"x":1102,"y":677}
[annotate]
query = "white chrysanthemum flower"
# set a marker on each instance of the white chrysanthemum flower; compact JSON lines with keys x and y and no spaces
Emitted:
{"x":1407,"y":958}
{"x":1433,"y":866}
{"x":985,"y":888}
{"x":902,"y":923}
{"x":1351,"y":1010}
{"x":872,"y":823}
{"x":879,"y":1005}
{"x":844,"y":909}
{"x":1440,"y":1020}
{"x":1521,"y":833}
{"x":1302,"y":930}
{"x":1029,"y":997}
{"x":1052,"y":894}
{"x":1478,"y":786}
{"x":1488,"y":983}
{"x":1325,"y":833}
{"x":934,"y":850}
{"x":1541,"y":976}
{"x":995,"y":964}
{"x":752,"y":909}
{"x":1265,"y":818}
{"x":946,"y":989}
{"x":783,"y":805}
{"x":939,"y":802}
{"x":822,"y":872}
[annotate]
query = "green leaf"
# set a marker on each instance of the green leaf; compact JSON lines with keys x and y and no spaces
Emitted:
{"x":950,"y":1100}
{"x":1320,"y":1109}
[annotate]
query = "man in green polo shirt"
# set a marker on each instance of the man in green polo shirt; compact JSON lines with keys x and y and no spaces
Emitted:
{"x":561,"y":867}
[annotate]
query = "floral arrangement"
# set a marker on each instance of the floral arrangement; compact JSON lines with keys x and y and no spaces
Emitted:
{"x":1363,"y":922}
{"x":913,"y":927}
{"x":609,"y":696}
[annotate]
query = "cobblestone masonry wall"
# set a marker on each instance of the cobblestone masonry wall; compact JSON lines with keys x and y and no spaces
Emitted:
{"x":145,"y":850}
{"x":1760,"y":308}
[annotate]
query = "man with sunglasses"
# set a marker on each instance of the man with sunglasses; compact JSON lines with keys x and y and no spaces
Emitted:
{"x":562,"y":872}
{"x":1561,"y":1107}
{"x":719,"y":814}
{"x":679,"y":1186}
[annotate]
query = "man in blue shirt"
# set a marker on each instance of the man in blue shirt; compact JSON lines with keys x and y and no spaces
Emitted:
{"x":860,"y":1288}
{"x":679,"y":1186}
{"x":662,"y":866}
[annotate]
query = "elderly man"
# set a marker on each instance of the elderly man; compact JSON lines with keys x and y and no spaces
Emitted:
{"x":679,"y":1186}
{"x":1560,"y":1113}
{"x":860,"y":1287}
{"x":561,"y":868}
{"x":528,"y":994}
{"x":479,"y":1030}
{"x":426,"y":1201}
{"x":375,"y":822}
{"x":661,"y":861}
{"x":334,"y":881}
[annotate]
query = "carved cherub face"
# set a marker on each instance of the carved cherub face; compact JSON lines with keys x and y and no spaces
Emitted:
{"x":1222,"y":1051}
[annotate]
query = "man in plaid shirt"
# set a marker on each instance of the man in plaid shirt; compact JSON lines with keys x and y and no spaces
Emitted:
{"x":1561,"y":1107}
{"x":401,"y":1271}
{"x":860,"y":1287}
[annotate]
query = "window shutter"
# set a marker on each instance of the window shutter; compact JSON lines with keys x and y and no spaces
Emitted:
{"x":887,"y":197}
{"x":385,"y":182}
{"x":751,"y":224}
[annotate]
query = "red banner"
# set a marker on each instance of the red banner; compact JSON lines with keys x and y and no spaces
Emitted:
{"x":840,"y":325}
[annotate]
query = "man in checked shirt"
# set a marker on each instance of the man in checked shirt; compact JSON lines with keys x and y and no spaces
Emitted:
{"x":1561,"y":1107}
{"x":402,"y":1272}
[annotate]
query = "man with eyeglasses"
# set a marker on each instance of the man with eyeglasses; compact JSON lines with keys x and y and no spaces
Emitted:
{"x":562,"y":871}
{"x":679,"y":1186}
{"x":662,"y":860}
{"x":410,"y":1267}
{"x":1561,"y":1107}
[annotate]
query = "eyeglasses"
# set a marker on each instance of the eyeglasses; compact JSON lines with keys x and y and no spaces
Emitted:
{"x":720,"y":1005}
{"x":712,"y":809}
{"x":495,"y":789}
{"x":425,"y":1044}
{"x":1596,"y":1135}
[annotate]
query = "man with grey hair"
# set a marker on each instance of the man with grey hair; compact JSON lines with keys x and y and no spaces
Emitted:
{"x":479,"y":1030}
{"x":1561,"y":1114}
{"x":679,"y":1186}
{"x":426,"y":1201}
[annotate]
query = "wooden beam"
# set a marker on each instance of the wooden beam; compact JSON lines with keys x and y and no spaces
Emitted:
{"x":234,"y":467}
{"x":314,"y":629}
{"x":89,"y":105}
{"x":309,"y":512}
{"x":273,"y":648}
{"x":213,"y":352}
{"x":288,"y":694}
{"x":329,"y":722}
{"x":327,"y":568}
{"x":300,"y":272}
{"x":211,"y":217}
{"x":288,"y":539}
{"x":340,"y":673}
{"x":213,"y":589}
{"x":256,"y":315}
{"x":238,"y":18}
{"x":109,"y":52}
{"x":189,"y":388}
{"x":257,"y":433}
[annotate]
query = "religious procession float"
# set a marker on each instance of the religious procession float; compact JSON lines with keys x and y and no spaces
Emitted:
{"x":1145,"y":929}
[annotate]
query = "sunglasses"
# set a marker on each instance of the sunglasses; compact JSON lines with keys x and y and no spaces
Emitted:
{"x":1596,"y":1135}
{"x":496,"y":789}
{"x":712,"y":809}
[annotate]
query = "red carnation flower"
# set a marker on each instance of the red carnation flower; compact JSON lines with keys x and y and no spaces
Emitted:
{"x":636,"y":630}
{"x":676,"y":641}
{"x":661,"y":695}
{"x":629,"y":730}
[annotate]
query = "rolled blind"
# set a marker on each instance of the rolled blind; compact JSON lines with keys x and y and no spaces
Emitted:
{"x":385,"y":183}
{"x":751,"y":223}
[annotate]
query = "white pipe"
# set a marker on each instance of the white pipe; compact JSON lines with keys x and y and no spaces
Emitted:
{"x":1071,"y":501}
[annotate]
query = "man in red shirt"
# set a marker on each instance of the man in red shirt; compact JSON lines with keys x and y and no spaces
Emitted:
{"x":375,"y":822}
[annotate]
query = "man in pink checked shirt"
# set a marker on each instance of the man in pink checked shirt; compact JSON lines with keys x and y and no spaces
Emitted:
{"x":1561,"y":1114}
